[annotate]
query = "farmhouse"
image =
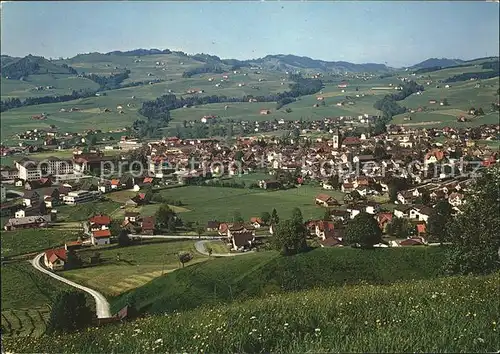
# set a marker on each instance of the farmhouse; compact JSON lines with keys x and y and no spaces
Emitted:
{"x":325,"y":200}
{"x":99,"y":222}
{"x":55,"y":259}
{"x":256,"y":222}
{"x":28,"y":222}
{"x":100,"y":237}
{"x":148,"y":225}
{"x":240,"y":236}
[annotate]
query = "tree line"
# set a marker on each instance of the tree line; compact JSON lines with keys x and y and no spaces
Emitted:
{"x":11,"y":103}
{"x":105,"y":83}
{"x":493,"y":66}
{"x":216,"y":69}
{"x":389,"y":106}
{"x":108,"y":82}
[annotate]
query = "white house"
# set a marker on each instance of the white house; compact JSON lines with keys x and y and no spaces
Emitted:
{"x":101,"y":237}
{"x":420,"y":213}
{"x":402,"y":212}
{"x":55,"y":259}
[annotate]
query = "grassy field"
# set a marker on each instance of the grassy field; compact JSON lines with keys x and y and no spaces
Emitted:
{"x":136,"y":266}
{"x":217,"y":246}
{"x":263,"y":273}
{"x":63,"y":85}
{"x":216,"y":203}
{"x":26,"y":296}
{"x":84,"y":211}
{"x":33,"y":240}
{"x":458,"y":314}
{"x":461,"y":97}
{"x":90,"y":116}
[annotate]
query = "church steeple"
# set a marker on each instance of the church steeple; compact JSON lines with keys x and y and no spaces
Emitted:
{"x":336,"y":139}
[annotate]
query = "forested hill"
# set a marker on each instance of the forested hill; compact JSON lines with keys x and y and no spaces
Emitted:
{"x":435,"y":62}
{"x":15,"y":68}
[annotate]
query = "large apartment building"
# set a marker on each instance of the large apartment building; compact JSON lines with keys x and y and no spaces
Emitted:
{"x":30,"y":169}
{"x":78,"y":197}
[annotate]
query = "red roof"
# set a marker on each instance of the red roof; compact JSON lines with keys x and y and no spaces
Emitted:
{"x":148,"y":223}
{"x":100,"y":220}
{"x":148,"y":180}
{"x":325,"y":225}
{"x":421,"y":228}
{"x":115,"y":182}
{"x":351,"y":141}
{"x":101,"y":233}
{"x":59,"y":253}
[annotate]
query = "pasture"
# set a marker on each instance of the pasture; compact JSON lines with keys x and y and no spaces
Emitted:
{"x":218,"y":203}
{"x":363,"y":318}
{"x":91,"y":115}
{"x":81,"y":212}
{"x":63,"y":85}
{"x":19,"y":242}
{"x":26,"y":296}
{"x":126,"y":268}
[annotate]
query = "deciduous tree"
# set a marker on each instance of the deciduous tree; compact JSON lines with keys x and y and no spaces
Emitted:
{"x":475,"y":233}
{"x":363,"y":230}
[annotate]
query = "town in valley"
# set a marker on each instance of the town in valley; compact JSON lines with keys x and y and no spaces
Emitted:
{"x":154,"y":191}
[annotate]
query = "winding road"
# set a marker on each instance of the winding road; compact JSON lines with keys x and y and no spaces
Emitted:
{"x":200,"y":247}
{"x":101,"y":304}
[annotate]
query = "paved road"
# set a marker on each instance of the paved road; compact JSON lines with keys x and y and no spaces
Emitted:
{"x":101,"y":304}
{"x":200,"y":247}
{"x":178,"y":237}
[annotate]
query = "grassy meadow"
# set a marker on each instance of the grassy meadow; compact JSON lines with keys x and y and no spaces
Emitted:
{"x":63,"y":84}
{"x":26,"y":296}
{"x":19,"y":242}
{"x":457,"y":314}
{"x":81,"y":212}
{"x":123,"y":269}
{"x":262,"y":273}
{"x":216,"y":203}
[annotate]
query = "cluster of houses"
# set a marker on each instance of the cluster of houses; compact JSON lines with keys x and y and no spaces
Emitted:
{"x":97,"y":232}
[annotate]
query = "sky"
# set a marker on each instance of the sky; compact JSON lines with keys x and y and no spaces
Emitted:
{"x":396,"y":33}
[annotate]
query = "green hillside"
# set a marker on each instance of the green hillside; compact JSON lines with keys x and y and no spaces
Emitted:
{"x":165,"y":73}
{"x":460,"y":96}
{"x":263,"y":273}
{"x":457,"y":314}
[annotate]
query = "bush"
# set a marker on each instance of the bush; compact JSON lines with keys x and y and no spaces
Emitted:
{"x":69,"y":312}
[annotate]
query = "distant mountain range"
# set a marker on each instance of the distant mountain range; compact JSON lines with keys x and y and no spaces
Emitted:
{"x":12,"y":67}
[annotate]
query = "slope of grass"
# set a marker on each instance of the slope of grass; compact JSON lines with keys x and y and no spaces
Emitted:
{"x":26,"y":298}
{"x":33,"y":240}
{"x":262,"y":273}
{"x":126,"y":268}
{"x":458,"y":314}
{"x":84,"y":211}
